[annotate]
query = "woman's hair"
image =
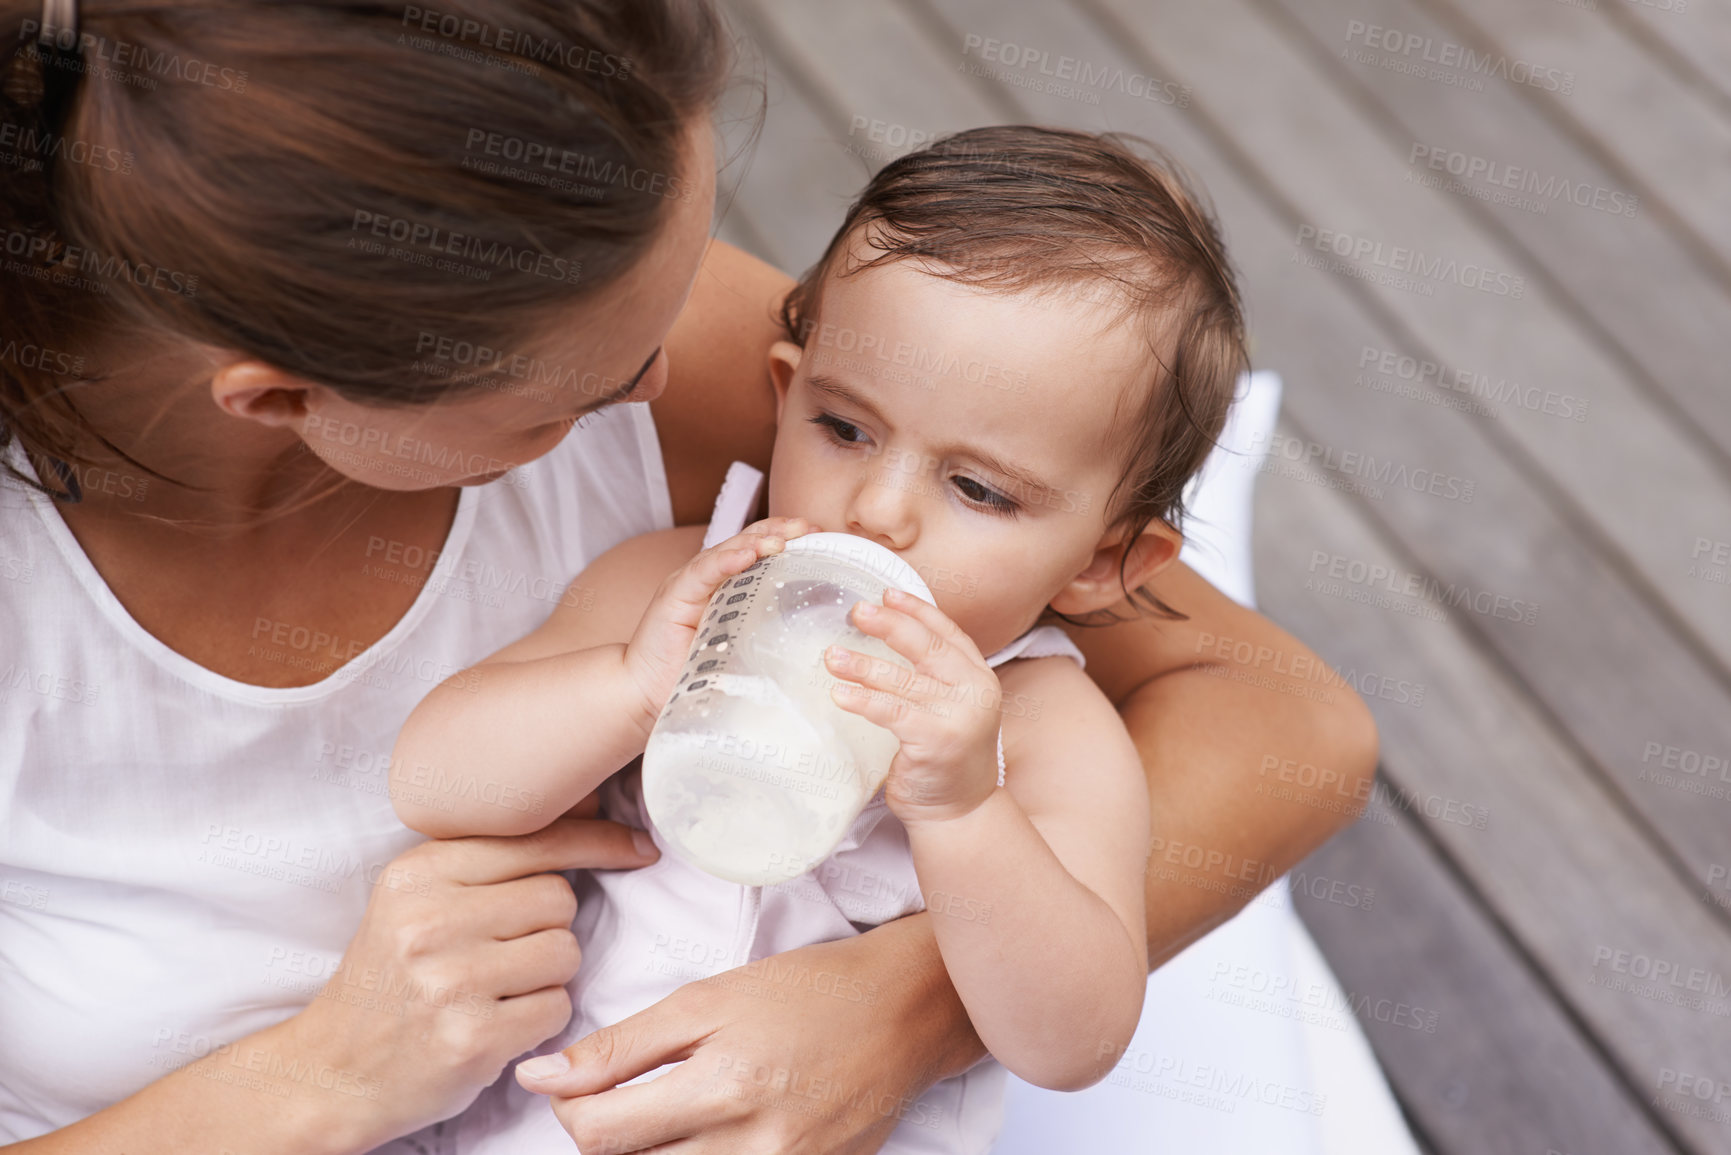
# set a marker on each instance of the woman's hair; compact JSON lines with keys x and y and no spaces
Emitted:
{"x":1016,"y":208}
{"x":329,"y":186}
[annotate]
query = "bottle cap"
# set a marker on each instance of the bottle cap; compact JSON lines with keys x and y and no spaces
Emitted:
{"x":881,"y":563}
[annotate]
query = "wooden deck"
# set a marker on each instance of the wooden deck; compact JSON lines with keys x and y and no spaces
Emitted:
{"x":1548,"y":627}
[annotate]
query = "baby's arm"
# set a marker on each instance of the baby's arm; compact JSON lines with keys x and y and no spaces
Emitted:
{"x":511,"y":743}
{"x":1035,"y":888}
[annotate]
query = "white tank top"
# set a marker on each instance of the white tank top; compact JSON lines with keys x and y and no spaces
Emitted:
{"x":184,"y":857}
{"x":647,"y":932}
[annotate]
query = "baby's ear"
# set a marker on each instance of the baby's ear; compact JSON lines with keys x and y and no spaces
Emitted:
{"x":784,"y":357}
{"x":1098,"y":585}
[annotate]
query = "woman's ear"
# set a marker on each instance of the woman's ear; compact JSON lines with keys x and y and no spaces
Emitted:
{"x":1098,"y":586}
{"x":262,"y":393}
{"x":784,"y":357}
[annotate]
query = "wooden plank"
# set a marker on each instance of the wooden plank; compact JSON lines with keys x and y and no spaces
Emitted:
{"x":852,"y":113}
{"x":1330,"y":171}
{"x":1665,"y":341}
{"x":1658,"y":130}
{"x":1506,"y":1071}
{"x":1594,"y":640}
{"x":1690,"y":40}
{"x":798,"y":177}
{"x":1557,"y":860}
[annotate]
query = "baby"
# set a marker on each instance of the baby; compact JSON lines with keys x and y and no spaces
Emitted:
{"x":1019,"y":347}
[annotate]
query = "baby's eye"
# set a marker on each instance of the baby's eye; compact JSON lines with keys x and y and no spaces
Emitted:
{"x":845,"y":432}
{"x":984,"y":496}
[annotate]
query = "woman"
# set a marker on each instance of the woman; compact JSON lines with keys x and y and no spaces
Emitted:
{"x":285,"y":287}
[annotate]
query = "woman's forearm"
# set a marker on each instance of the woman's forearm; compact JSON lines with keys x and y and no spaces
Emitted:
{"x":931,"y":1022}
{"x":506,"y":747}
{"x":265,"y":1094}
{"x":1228,"y":817}
{"x":1254,"y":750}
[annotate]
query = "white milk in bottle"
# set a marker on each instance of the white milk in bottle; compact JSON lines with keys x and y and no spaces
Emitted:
{"x":752,"y":772}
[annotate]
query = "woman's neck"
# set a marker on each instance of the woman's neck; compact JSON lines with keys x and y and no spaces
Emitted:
{"x":205,"y":470}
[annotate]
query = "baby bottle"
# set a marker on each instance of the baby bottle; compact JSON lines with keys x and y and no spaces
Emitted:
{"x":752,"y":772}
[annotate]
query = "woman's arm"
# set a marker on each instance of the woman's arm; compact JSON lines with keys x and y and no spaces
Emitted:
{"x":761,"y":1067}
{"x":1223,"y":707}
{"x":480,"y":921}
{"x":1206,"y":723}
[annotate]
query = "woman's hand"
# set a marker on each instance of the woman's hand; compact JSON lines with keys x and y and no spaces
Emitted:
{"x":944,"y":709}
{"x":459,"y":964}
{"x":658,"y":648}
{"x":823,"y":1049}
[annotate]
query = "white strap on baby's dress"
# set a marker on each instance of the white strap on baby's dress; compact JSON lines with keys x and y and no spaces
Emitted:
{"x":733,"y":505}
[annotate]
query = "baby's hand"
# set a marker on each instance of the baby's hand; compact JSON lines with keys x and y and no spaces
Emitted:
{"x":944,"y":710}
{"x":657,"y":650}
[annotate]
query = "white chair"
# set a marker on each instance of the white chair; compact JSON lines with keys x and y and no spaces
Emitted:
{"x":1205,"y":1075}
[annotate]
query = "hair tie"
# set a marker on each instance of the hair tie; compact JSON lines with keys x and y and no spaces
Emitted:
{"x":59,"y":19}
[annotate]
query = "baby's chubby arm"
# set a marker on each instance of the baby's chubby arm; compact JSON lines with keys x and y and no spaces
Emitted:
{"x":508,"y":745}
{"x":1035,"y":888}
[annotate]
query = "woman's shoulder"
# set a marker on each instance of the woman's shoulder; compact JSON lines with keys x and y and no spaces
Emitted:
{"x":719,"y":406}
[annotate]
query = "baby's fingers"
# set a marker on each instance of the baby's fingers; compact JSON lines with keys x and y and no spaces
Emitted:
{"x":786,"y":528}
{"x":930,"y":616}
{"x":932,"y":649}
{"x":695,"y":582}
{"x":887,"y":708}
{"x":877,"y":673}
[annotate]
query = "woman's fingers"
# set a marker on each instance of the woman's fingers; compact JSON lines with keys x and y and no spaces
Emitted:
{"x":522,"y":906}
{"x":643,"y":1116}
{"x":534,"y":962}
{"x":564,"y":844}
{"x":537,"y":1015}
{"x":603,"y":1059}
{"x":767,"y":1074}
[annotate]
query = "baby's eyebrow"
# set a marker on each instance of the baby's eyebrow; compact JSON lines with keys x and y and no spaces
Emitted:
{"x":1027,"y":483}
{"x":824,"y":383}
{"x":1028,"y":486}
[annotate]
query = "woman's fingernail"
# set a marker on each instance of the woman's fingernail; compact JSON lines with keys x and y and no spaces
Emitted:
{"x":644,"y":843}
{"x":866,"y":609}
{"x":544,"y":1066}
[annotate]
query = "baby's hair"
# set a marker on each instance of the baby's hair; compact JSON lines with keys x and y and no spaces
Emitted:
{"x":1015,"y":207}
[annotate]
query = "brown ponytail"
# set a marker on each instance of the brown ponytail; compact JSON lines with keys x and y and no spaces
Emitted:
{"x":318,"y":184}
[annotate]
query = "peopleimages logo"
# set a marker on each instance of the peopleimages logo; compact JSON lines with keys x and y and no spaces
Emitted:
{"x":1458,"y":57}
{"x":1414,"y":262}
{"x":1391,"y":363}
{"x":35,"y":146}
{"x":1544,"y":189}
{"x":1067,"y":75}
